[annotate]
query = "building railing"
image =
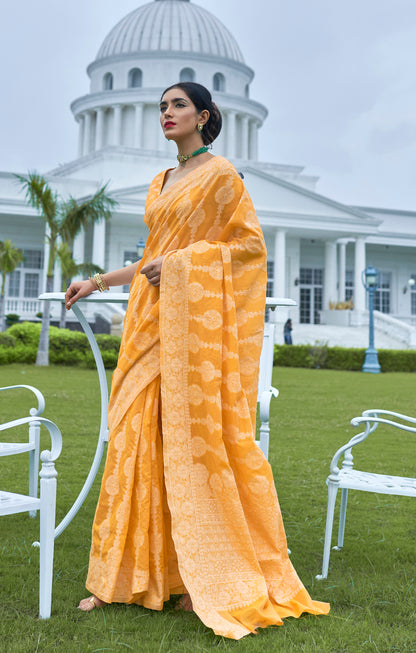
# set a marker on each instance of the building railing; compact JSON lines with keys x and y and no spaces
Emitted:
{"x":395,"y":328}
{"x":23,"y":307}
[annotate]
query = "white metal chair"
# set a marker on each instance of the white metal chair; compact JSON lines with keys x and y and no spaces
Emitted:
{"x":11,"y":503}
{"x":265,"y":390}
{"x":32,"y":445}
{"x":348,"y":478}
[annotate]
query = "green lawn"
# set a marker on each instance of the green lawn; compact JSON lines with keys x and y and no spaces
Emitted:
{"x":371,"y":584}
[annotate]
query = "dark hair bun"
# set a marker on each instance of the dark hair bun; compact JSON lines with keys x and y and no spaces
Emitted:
{"x":201,"y":98}
{"x":213,"y":126}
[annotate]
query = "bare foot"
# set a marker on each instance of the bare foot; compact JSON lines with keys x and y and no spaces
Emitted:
{"x":185,"y":603}
{"x":92,"y":602}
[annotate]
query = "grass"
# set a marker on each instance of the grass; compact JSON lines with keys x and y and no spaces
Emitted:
{"x":371,"y":583}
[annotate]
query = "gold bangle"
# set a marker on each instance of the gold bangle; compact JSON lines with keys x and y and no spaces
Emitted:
{"x":93,"y":281}
{"x":102,"y":286}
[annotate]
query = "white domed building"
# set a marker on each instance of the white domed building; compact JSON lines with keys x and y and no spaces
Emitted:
{"x":317,"y":247}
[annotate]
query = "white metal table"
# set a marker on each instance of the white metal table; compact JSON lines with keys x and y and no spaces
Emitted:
{"x":109,"y":298}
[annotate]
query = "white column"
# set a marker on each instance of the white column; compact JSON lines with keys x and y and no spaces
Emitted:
{"x":46,"y":248}
{"x":78,"y":250}
{"x":244,"y":137}
{"x":99,"y":129}
{"x":231,"y":133}
{"x":117,"y":124}
{"x":359,"y":266}
{"x":279,"y":285}
{"x":98,"y":244}
{"x":330,"y":274}
{"x":253,"y":141}
{"x":80,"y":119}
{"x":341,"y":272}
{"x":87,"y":133}
{"x":138,"y":126}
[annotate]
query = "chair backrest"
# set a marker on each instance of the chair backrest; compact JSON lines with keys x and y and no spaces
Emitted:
{"x":266,"y":359}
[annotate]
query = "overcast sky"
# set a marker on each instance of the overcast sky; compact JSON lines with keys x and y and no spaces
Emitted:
{"x":337,"y":76}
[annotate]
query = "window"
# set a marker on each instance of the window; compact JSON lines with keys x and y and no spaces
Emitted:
{"x":32,"y":258}
{"x":31,"y":288}
{"x":311,"y":292}
{"x":129,"y":257}
{"x":270,"y":278}
{"x":14,"y":284}
{"x":135,"y":78}
{"x":219,"y":82}
{"x":187,"y":75}
{"x":108,"y":82}
{"x":349,"y":285}
{"x":25,"y":280}
{"x":413,"y":297}
{"x":247,"y":90}
{"x":382,"y":294}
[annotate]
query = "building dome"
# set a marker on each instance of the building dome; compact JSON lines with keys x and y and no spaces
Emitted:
{"x":170,"y":26}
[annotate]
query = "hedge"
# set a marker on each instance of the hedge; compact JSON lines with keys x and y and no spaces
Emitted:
{"x":342,"y":358}
{"x":20,"y":342}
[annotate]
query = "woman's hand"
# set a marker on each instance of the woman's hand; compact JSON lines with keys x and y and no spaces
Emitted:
{"x":78,"y":289}
{"x":153,"y":270}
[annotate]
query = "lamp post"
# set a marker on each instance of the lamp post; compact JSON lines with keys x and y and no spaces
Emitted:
{"x":370,"y":278}
{"x":140,"y":249}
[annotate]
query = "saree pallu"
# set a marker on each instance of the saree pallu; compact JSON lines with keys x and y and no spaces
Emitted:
{"x":188,"y":501}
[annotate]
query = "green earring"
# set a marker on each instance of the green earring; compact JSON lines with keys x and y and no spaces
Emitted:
{"x":200,"y":128}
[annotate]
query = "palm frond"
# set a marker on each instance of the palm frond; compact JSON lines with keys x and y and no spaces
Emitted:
{"x":40,"y":195}
{"x":76,"y":216}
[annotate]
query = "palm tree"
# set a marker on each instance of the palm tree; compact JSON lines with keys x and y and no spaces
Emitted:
{"x":10,"y":257}
{"x":70,"y":269}
{"x":64,"y":219}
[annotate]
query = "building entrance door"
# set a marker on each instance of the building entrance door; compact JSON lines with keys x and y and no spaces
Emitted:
{"x":311,"y":292}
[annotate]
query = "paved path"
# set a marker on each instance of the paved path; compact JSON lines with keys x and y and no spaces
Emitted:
{"x":337,"y":336}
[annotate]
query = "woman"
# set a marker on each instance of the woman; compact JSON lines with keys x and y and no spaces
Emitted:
{"x":287,"y":332}
{"x":188,"y":504}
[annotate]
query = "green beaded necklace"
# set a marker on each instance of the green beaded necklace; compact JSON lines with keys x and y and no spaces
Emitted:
{"x":183,"y":158}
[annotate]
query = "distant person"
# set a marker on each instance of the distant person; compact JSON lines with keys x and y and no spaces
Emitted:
{"x":287,"y":332}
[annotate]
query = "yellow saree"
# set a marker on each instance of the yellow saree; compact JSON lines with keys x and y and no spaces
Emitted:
{"x":187,"y":501}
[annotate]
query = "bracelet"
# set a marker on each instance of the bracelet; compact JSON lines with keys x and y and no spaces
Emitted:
{"x":99,"y":282}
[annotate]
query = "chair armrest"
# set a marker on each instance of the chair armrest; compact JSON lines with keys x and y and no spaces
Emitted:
{"x":369,"y":419}
{"x":39,"y":396}
{"x":376,"y":412}
{"x":54,"y":432}
{"x":264,"y":402}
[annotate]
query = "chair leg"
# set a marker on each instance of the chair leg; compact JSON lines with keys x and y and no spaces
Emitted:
{"x":342,"y":515}
{"x":332,"y":495}
{"x":34,"y":437}
{"x":47,"y":532}
{"x":264,"y":438}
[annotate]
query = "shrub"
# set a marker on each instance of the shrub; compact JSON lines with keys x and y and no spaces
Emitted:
{"x":318,"y":354}
{"x":341,"y":358}
{"x":26,"y":333}
{"x":6,"y":340}
{"x":292,"y":356}
{"x":108,"y":343}
{"x":65,"y":341}
{"x":18,"y":354}
{"x":392,"y":360}
{"x":11,"y":318}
